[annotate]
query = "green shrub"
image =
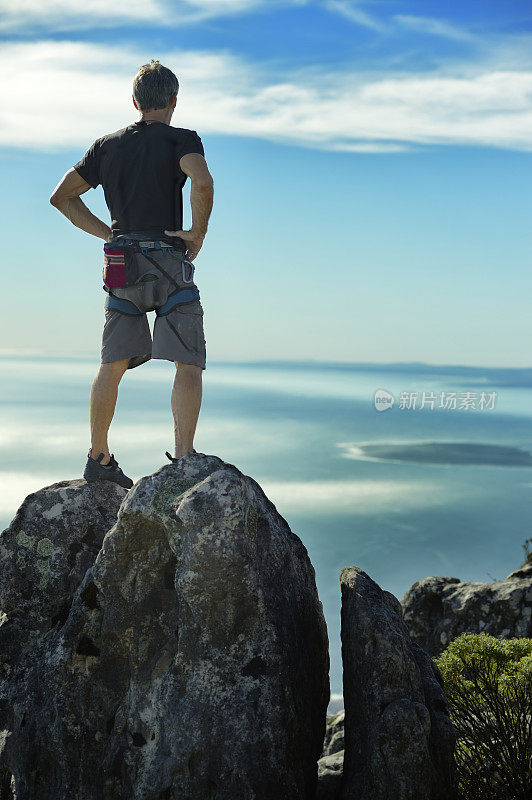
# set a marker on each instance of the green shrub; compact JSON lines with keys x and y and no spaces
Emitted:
{"x":488,"y":684}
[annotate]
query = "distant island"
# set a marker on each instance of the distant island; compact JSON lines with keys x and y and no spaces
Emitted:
{"x":442,"y":453}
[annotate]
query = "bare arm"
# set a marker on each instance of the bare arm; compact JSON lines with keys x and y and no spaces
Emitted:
{"x":201,"y":200}
{"x":66,"y":199}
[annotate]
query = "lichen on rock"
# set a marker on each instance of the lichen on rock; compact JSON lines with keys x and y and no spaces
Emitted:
{"x":179,"y":649}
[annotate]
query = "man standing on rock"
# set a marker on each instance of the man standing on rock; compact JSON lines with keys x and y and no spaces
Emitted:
{"x":147,"y":258}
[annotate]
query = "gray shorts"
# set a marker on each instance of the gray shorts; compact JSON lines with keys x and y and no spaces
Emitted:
{"x":177,"y":336}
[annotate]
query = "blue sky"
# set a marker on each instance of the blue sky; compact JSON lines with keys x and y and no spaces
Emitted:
{"x":372,"y":168}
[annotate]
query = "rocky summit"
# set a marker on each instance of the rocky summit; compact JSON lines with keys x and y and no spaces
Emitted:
{"x":438,"y":609}
{"x":166,"y":642}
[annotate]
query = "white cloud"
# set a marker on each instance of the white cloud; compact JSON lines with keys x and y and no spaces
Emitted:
{"x":391,"y":25}
{"x":60,"y":94}
{"x":434,"y":27}
{"x":355,"y":14}
{"x":63,"y":15}
{"x":59,"y":16}
{"x":67,"y":14}
{"x":222,"y":6}
{"x":348,"y":496}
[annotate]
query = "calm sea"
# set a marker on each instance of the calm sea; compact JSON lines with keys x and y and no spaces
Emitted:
{"x":299,"y":429}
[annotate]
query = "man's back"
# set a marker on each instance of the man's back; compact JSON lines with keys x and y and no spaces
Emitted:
{"x":138,"y":168}
{"x":142,"y":169}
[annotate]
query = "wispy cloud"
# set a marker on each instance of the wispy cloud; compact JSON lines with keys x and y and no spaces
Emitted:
{"x":354,"y":13}
{"x":59,"y":16}
{"x":433,"y":27}
{"x":84,"y":91}
{"x":63,"y":15}
{"x":390,"y":25}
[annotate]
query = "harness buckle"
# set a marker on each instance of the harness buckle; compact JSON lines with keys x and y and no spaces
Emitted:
{"x":183,"y":270}
{"x":153,"y":245}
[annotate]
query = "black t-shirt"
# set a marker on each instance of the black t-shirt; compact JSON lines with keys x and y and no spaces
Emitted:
{"x":138,"y":168}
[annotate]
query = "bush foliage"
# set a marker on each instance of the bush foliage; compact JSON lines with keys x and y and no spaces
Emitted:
{"x":488,"y":684}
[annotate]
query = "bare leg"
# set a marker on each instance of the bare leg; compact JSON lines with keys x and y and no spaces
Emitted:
{"x":104,"y":393}
{"x":186,"y":403}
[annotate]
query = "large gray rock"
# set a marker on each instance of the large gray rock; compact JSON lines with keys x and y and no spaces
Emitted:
{"x":438,"y":609}
{"x":399,"y":738}
{"x":193,"y":662}
{"x":44,"y":554}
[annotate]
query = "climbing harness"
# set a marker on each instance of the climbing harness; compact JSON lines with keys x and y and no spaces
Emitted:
{"x":176,"y":298}
{"x":135,"y":290}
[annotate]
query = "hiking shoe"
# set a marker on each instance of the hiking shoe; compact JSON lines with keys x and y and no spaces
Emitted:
{"x":175,"y":460}
{"x":94,"y":471}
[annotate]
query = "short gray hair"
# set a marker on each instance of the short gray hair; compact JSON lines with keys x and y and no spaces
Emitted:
{"x":153,"y":86}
